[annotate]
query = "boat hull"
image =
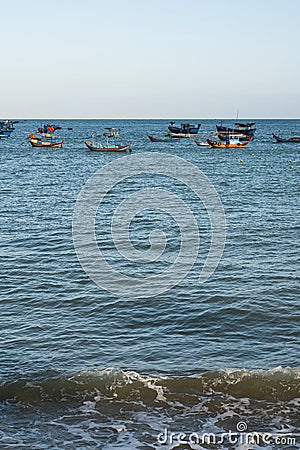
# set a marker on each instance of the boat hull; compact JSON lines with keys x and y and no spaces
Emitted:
{"x":287,"y":140}
{"x":201,"y":143}
{"x":214,"y":144}
{"x":45,"y":144}
{"x":181,"y":135}
{"x":116,"y":149}
{"x":164,"y":139}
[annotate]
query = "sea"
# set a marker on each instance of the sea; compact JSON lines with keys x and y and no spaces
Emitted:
{"x":94,"y":364}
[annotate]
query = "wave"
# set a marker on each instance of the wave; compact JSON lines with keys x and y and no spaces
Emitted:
{"x":279,"y":384}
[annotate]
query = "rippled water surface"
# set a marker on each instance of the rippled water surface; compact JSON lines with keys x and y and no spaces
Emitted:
{"x":83,"y":368}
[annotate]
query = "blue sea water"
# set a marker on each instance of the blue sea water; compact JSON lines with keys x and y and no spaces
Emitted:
{"x":84,"y":368}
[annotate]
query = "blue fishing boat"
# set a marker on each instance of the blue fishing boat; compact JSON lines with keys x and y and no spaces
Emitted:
{"x":185,"y":128}
{"x":6,"y":128}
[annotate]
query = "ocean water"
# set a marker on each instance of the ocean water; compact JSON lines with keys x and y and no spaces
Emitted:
{"x":84,"y":368}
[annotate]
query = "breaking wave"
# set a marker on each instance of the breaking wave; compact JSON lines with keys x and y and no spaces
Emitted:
{"x":279,"y":384}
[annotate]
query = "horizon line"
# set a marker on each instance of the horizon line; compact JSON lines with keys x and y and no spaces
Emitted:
{"x":151,"y":118}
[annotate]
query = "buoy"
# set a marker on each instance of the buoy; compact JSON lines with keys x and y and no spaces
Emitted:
{"x":252,"y":167}
{"x":291,"y":167}
{"x":252,"y":154}
{"x":241,"y":160}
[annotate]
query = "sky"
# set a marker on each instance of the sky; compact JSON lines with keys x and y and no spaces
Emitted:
{"x":150,"y":59}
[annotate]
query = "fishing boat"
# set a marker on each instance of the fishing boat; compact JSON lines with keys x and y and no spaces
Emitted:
{"x":45,"y":143}
{"x":8,"y":124}
{"x":6,"y":128}
{"x":185,"y":128}
{"x":112,"y":133}
{"x":201,"y":143}
{"x":227,"y":144}
{"x":295,"y":139}
{"x":166,"y":138}
{"x":108,"y":148}
{"x":245,"y":129}
{"x":45,"y":140}
{"x":180,"y":135}
{"x":49,"y":128}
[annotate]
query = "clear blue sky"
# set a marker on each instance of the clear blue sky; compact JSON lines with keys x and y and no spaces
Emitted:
{"x":150,"y":58}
